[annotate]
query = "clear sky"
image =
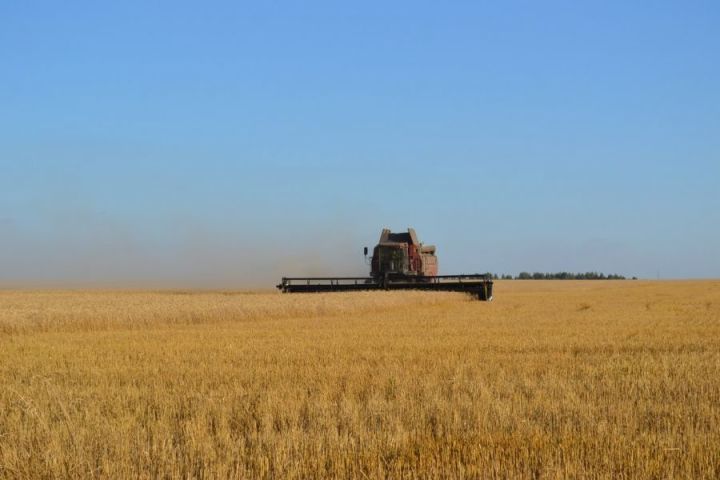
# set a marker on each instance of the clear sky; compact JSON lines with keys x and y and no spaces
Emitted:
{"x":227,"y":143}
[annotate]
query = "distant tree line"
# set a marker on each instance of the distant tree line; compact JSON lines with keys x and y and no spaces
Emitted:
{"x":558,"y":276}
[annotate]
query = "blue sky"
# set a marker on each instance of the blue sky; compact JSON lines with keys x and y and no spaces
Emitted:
{"x":225,"y":144}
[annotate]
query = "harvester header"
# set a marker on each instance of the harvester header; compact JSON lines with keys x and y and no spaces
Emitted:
{"x":399,"y":262}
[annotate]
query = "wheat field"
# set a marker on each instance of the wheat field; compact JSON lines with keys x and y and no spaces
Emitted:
{"x":553,"y":379}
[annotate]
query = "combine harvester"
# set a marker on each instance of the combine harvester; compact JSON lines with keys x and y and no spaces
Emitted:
{"x":399,"y":262}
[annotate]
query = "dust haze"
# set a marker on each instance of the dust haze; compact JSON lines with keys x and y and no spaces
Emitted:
{"x":85,"y":249}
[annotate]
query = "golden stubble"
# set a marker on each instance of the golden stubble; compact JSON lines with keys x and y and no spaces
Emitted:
{"x":553,"y":379}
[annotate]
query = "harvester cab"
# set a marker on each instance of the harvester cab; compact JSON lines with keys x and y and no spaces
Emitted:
{"x":402,"y":254}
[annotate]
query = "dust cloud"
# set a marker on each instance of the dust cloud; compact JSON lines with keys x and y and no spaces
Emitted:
{"x":91,"y":250}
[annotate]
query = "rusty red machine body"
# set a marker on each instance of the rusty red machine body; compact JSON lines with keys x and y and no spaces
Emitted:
{"x":399,"y":262}
{"x":403,"y":253}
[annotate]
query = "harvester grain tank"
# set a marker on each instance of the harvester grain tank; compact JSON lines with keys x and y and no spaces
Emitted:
{"x":399,"y":262}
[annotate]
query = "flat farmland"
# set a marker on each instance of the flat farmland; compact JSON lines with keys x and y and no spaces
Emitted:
{"x":553,"y":379}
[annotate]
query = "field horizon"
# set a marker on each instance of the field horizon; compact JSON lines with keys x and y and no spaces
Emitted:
{"x":259,"y":287}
